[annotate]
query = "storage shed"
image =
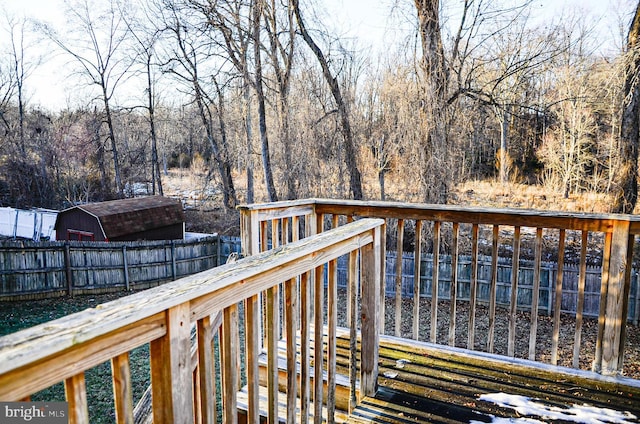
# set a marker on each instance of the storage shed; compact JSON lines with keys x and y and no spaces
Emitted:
{"x":141,"y":218}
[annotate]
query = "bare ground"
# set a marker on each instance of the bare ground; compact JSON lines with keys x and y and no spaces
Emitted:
{"x":544,"y":333}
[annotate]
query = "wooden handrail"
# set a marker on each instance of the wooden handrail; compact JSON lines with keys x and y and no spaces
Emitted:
{"x":449,"y":213}
{"x":618,"y":232}
{"x":61,"y":350}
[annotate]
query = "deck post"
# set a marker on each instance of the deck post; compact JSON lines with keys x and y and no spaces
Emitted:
{"x":370,"y":330}
{"x":615,"y":298}
{"x":249,"y":232}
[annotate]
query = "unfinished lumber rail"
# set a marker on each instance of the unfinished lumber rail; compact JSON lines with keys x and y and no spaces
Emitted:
{"x":62,"y":350}
{"x":457,"y":231}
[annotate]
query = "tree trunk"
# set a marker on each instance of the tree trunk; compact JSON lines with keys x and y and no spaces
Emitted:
{"x":224,"y":155}
{"x":105,"y":188}
{"x":503,"y":114}
{"x":382,"y":165}
{"x":249,"y":134}
{"x":155,"y":166}
{"x":281,"y":55}
{"x":355,"y":179}
{"x":114,"y":145}
{"x":436,"y":174}
{"x":224,"y":168}
{"x":432,"y":49}
{"x":262,"y":114}
{"x":626,"y":194}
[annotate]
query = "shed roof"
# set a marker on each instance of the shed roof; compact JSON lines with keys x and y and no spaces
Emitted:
{"x":128,"y":216}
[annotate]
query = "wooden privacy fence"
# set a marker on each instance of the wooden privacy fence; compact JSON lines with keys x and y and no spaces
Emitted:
{"x":462,"y":232}
{"x":183,"y":370}
{"x":44,"y":269}
{"x":547,"y":274}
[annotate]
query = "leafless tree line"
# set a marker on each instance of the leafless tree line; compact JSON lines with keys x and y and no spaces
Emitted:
{"x":275,"y":106}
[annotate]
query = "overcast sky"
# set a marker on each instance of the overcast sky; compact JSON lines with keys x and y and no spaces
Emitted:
{"x":365,"y":22}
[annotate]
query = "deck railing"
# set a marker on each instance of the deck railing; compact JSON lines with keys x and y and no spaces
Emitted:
{"x":567,"y":237}
{"x":178,"y":321}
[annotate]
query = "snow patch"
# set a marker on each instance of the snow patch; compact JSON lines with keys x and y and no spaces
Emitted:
{"x":400,"y":363}
{"x":525,"y":406}
{"x":502,"y":420}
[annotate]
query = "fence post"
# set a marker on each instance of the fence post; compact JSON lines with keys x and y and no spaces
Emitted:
{"x":615,"y":298}
{"x":126,"y":267}
{"x":636,"y":311}
{"x":173,"y":260}
{"x":67,"y":268}
{"x":218,"y":261}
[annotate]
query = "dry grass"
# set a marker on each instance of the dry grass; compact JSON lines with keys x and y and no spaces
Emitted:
{"x":523,"y":196}
{"x":201,"y":195}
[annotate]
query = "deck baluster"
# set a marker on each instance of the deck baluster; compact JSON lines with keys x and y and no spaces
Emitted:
{"x":305,"y":347}
{"x":230,"y":355}
{"x":513,"y":308}
{"x":291,"y":307}
{"x":435,"y":277}
{"x":454,"y":284}
{"x":398,"y":285}
{"x":76,"y":394}
{"x":533,"y":331}
{"x":122,"y":388}
{"x":557,"y":304}
{"x":493,"y":289}
{"x":582,"y":280}
{"x":473,"y":294}
{"x":417,"y":262}
{"x":352,"y":301}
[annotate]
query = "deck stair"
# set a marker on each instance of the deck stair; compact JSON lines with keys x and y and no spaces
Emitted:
{"x":342,"y":386}
{"x":421,"y":382}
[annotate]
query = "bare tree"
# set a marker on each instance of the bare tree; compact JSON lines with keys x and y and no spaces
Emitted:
{"x":16,"y":29}
{"x":435,"y":176}
{"x":8,"y":86}
{"x":146,"y":38}
{"x":239,"y":25}
{"x":184,"y":62}
{"x":99,"y":36}
{"x":626,"y":194}
{"x":568,"y":147}
{"x":281,"y":53}
{"x":262,"y":114}
{"x":355,"y":178}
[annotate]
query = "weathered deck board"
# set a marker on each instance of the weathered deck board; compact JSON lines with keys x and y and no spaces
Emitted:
{"x":453,"y":376}
{"x":423,"y":382}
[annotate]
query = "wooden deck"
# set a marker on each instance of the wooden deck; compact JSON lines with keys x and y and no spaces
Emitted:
{"x":423,"y":382}
{"x":289,"y":293}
